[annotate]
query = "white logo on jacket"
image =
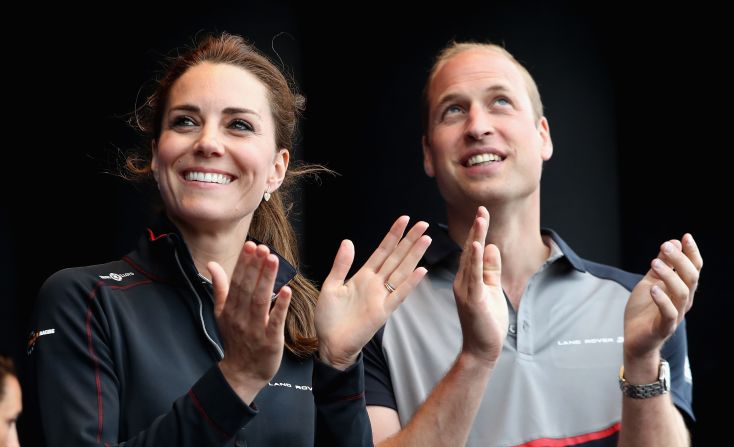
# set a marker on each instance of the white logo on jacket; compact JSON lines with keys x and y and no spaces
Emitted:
{"x":288,"y":385}
{"x":34,"y":336}
{"x":117,"y":276}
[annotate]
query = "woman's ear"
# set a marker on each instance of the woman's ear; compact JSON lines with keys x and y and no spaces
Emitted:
{"x":280,"y":166}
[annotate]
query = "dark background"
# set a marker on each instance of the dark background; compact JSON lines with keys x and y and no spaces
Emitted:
{"x":637,"y":98}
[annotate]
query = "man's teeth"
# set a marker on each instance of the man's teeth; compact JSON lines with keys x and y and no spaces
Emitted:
{"x":482,"y":158}
{"x":208,"y":177}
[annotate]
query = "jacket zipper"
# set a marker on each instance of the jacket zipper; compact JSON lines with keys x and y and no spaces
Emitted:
{"x":201,"y":306}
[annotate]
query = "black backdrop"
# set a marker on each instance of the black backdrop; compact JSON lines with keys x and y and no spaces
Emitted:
{"x":637,"y":101}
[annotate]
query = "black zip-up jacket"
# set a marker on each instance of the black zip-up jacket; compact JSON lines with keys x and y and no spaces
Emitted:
{"x":126,"y":353}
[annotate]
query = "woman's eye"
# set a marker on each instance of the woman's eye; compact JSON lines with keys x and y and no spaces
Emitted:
{"x":183,"y":121}
{"x":241,"y":125}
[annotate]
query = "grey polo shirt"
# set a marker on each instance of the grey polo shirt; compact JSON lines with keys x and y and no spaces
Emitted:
{"x":556,"y":380}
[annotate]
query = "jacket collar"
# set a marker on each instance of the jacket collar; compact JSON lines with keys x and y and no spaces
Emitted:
{"x":157,"y":248}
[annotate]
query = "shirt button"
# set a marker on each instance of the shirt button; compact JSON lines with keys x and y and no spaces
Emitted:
{"x":512,"y":329}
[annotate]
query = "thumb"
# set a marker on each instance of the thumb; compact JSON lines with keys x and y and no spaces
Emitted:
{"x":220,"y":283}
{"x":342,"y":263}
{"x":492,"y":266}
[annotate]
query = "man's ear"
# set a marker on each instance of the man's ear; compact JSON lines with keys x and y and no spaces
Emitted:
{"x":427,"y":157}
{"x":280,"y":166}
{"x":546,"y":150}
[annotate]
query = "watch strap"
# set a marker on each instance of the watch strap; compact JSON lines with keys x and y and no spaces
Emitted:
{"x":647,"y":390}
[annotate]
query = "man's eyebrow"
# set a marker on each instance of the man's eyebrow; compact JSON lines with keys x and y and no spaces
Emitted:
{"x":451,"y":97}
{"x":499,"y":88}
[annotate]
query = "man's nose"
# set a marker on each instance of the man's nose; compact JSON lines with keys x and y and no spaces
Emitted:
{"x":480,"y":123}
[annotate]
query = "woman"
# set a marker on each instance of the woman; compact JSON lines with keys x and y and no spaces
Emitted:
{"x":181,"y":342}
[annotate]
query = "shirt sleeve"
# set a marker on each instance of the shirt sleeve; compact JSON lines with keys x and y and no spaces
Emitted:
{"x":76,"y":386}
{"x":341,"y":412}
{"x":675,"y":351}
{"x":378,"y":385}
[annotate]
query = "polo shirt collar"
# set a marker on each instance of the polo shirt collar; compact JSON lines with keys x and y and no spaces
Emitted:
{"x":443,"y":248}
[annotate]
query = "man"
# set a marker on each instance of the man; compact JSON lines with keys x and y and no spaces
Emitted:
{"x":541,"y":333}
{"x":10,"y":403}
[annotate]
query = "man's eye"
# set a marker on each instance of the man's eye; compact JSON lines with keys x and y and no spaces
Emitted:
{"x":453,"y":110}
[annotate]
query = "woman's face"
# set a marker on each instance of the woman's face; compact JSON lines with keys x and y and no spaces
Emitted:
{"x":216,"y":153}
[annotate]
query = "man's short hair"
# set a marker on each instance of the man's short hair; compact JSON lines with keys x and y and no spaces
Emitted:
{"x":454,"y":48}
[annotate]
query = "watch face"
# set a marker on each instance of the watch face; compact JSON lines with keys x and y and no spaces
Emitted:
{"x":665,"y":375}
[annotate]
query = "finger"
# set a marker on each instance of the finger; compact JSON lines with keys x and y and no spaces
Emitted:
{"x":276,"y":322}
{"x":388,"y":244}
{"x":396,"y":298}
{"x":690,"y":248}
{"x":245,"y":272}
{"x":263,"y":293}
{"x":671,"y":254}
{"x":342,"y":264}
{"x":475,"y":285}
{"x":668,"y":312}
{"x":477,"y":234}
{"x":410,"y":261}
{"x":676,"y":289}
{"x":492,"y":266}
{"x":403,"y":249}
{"x":220,"y":284}
{"x":461,"y":275}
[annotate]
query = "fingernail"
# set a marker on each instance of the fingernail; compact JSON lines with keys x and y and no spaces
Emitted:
{"x":657,"y":264}
{"x":667,"y":248}
{"x":655,"y":290}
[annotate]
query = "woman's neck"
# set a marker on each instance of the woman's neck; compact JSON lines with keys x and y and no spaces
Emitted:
{"x":218,"y":243}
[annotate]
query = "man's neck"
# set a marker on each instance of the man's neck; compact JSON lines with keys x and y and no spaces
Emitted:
{"x":516,"y":232}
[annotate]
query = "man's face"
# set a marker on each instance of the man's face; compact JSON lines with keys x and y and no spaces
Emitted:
{"x":483,"y":143}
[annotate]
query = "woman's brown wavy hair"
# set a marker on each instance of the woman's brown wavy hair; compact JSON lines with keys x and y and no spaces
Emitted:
{"x":270,"y":223}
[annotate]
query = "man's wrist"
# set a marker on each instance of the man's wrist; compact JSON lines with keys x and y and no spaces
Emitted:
{"x":641,"y":369}
{"x":649,"y":389}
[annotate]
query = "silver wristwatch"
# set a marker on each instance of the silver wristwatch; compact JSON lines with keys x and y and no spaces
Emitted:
{"x":662,"y":386}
